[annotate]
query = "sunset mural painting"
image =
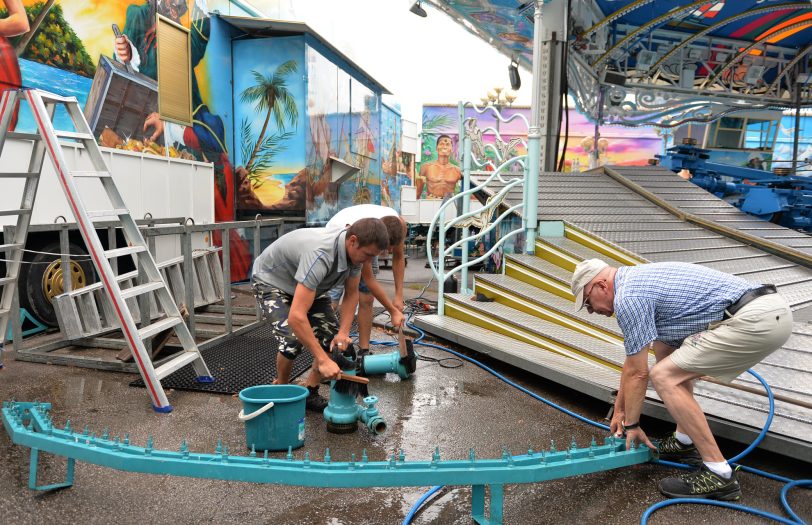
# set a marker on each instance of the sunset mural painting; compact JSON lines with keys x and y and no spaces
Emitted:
{"x":617,"y":145}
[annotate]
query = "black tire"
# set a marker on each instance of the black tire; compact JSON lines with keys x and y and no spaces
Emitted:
{"x":32,"y":294}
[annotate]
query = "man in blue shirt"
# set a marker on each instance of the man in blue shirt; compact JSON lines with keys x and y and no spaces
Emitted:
{"x":697,"y":322}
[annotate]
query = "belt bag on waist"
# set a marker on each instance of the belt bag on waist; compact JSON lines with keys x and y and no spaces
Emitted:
{"x":749,"y":296}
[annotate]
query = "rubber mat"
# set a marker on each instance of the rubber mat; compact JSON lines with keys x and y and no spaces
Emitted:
{"x":245,"y":360}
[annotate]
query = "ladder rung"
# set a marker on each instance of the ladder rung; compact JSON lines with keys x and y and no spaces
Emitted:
{"x":7,"y":280}
{"x":23,"y":136}
{"x":159,"y":326}
{"x":19,"y":175}
{"x":13,"y":212}
{"x":119,"y":252}
{"x":9,"y":247}
{"x":73,"y":135}
{"x":141,"y":289}
{"x":91,"y":174}
{"x":58,"y":98}
{"x":176,"y":364}
{"x":108,"y":213}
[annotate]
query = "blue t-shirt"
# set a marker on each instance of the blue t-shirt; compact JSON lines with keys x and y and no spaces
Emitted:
{"x":669,"y":301}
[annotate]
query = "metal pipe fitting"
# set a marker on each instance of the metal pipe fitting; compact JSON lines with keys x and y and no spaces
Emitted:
{"x":383,"y":363}
{"x":370,"y":416}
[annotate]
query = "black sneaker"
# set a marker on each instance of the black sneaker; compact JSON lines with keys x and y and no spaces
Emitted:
{"x":314,"y":401}
{"x":361,"y":352}
{"x":702,"y":483}
{"x":671,"y":449}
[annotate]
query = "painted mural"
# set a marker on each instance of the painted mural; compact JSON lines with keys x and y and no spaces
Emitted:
{"x":440,"y":137}
{"x":74,"y":47}
{"x":344,"y":153}
{"x":269,"y":90}
{"x":394,"y":171}
{"x":782,"y":153}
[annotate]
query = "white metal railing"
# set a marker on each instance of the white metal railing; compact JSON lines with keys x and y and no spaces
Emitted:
{"x":475,"y":152}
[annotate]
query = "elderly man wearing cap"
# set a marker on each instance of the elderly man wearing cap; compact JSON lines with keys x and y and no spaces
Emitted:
{"x":698,"y":322}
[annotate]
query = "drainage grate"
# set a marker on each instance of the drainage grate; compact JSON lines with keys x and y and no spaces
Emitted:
{"x":245,"y":360}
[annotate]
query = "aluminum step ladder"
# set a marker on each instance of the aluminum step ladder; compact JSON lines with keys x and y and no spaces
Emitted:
{"x":43,"y":106}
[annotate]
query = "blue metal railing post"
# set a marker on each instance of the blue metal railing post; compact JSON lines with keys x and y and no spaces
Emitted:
{"x":466,"y":207}
{"x":531,"y":190}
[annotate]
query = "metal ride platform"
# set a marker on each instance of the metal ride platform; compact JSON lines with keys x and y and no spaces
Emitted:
{"x":630,"y":216}
{"x":30,"y":425}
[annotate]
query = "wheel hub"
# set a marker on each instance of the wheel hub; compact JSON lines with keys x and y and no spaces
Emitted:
{"x":53,"y":281}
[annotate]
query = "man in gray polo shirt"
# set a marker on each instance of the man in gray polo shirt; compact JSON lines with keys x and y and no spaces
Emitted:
{"x":291,"y":278}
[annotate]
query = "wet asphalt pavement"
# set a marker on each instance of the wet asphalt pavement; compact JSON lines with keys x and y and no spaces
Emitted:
{"x":453,"y":408}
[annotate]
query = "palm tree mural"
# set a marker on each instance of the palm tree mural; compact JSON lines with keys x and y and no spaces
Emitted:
{"x":270,"y":95}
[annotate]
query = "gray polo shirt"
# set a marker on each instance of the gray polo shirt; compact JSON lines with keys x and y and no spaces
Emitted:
{"x":314,"y":257}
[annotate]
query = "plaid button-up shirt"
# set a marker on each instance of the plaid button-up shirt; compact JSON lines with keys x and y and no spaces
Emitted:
{"x":668,"y":302}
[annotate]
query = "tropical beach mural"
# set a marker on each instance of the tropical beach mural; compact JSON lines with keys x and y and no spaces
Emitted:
{"x":279,"y":117}
{"x":74,"y":47}
{"x":271,"y":132}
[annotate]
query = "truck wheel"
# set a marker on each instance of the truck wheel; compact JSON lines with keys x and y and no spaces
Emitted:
{"x":41,"y":278}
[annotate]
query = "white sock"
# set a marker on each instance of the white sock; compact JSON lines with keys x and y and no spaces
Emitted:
{"x":683,"y":438}
{"x":720,"y":468}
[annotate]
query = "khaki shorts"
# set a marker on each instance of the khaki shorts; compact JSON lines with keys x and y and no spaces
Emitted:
{"x":733,"y":345}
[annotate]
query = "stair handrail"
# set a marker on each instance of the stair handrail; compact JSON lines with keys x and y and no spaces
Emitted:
{"x":444,"y":226}
{"x":506,"y":146}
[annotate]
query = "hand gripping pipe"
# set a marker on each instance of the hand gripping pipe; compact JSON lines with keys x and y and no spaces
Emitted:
{"x":30,"y":425}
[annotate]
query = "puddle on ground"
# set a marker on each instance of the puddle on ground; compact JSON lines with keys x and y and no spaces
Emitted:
{"x":79,"y":390}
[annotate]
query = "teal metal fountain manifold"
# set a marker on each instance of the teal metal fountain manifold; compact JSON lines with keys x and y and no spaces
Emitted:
{"x":30,"y":425}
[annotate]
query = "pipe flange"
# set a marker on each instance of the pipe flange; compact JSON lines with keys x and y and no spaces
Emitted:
{"x":342,"y":428}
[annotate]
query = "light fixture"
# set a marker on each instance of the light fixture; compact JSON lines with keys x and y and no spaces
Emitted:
{"x":513,"y":73}
{"x":418,"y":9}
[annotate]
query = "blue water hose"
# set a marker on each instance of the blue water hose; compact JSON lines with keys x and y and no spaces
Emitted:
{"x":644,"y":519}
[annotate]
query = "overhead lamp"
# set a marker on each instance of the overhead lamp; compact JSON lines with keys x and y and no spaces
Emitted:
{"x":418,"y":9}
{"x":513,"y":73}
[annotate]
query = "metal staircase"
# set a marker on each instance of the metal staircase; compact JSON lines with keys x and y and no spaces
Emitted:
{"x":43,"y":106}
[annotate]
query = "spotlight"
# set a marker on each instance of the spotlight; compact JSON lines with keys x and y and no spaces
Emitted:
{"x":513,"y":72}
{"x":418,"y":10}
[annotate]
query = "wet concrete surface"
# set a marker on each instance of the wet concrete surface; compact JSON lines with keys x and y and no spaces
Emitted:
{"x":453,"y":408}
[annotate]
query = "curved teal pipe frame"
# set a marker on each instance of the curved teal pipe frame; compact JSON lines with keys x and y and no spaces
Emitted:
{"x":30,"y":425}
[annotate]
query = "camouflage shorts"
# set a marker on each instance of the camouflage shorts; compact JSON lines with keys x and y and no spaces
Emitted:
{"x":275,"y":306}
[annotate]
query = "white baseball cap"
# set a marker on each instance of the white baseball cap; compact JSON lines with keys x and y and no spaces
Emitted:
{"x":584,"y":272}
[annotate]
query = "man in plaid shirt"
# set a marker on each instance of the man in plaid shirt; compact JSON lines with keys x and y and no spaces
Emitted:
{"x":697,"y":322}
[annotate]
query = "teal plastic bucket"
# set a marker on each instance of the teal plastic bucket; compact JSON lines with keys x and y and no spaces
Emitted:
{"x":274,"y":416}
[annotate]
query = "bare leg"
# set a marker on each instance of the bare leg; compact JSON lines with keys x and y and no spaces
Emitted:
{"x":676,"y":390}
{"x":365,"y":302}
{"x":283,"y":368}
